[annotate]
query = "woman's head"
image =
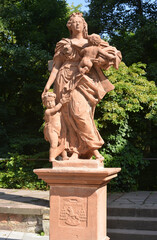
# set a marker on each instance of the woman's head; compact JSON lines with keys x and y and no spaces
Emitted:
{"x":73,"y":20}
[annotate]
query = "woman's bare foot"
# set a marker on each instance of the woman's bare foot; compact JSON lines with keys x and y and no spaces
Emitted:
{"x":64,"y":156}
{"x":98,"y":155}
{"x":74,"y":156}
{"x":52,"y":159}
{"x":100,"y":158}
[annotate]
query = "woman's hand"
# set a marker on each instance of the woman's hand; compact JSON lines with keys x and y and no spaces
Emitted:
{"x":65,"y":98}
{"x":45,"y":91}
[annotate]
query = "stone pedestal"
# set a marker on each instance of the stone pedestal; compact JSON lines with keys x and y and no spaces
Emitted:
{"x":78,"y":199}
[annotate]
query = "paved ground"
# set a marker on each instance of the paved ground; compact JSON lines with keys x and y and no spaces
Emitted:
{"x":21,"y":201}
{"x":141,"y":199}
{"x":10,"y":235}
{"x":16,"y":200}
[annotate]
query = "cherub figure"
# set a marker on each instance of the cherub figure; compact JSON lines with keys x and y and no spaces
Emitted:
{"x":95,"y":53}
{"x":53,"y":123}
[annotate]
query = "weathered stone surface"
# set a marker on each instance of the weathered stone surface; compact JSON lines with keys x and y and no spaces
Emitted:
{"x":77,"y":183}
{"x":79,"y":85}
{"x":78,"y":200}
{"x":25,"y":223}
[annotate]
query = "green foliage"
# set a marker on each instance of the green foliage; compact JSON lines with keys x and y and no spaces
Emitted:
{"x":72,"y":8}
{"x":111,"y":16}
{"x":127,"y":121}
{"x":126,"y":118}
{"x":41,"y":233}
{"x":132,"y":28}
{"x":17,"y":172}
{"x":29,"y":31}
{"x":22,"y":77}
{"x":139,"y":46}
{"x":34,"y":22}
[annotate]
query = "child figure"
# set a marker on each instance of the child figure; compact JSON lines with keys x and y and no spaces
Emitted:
{"x":95,"y":53}
{"x":53,"y":123}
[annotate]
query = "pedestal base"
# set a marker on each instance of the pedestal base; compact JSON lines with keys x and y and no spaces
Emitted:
{"x":78,"y":199}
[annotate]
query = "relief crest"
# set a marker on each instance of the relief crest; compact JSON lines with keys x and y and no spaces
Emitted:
{"x":73,"y":212}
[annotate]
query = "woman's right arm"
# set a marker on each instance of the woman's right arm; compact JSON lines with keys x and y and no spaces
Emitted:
{"x":56,"y":67}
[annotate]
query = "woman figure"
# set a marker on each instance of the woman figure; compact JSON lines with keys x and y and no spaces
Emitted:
{"x":82,"y":140}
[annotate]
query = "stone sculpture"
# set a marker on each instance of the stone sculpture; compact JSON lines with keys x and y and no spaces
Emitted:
{"x":77,"y":75}
{"x":52,"y":119}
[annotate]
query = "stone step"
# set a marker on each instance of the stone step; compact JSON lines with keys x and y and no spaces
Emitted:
{"x":132,"y":211}
{"x":28,"y":211}
{"x":138,"y":223}
{"x":125,"y":234}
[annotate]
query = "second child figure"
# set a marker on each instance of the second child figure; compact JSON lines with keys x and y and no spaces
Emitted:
{"x":53,"y":123}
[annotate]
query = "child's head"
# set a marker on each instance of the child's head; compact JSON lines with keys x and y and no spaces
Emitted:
{"x":94,"y":39}
{"x":49,"y":99}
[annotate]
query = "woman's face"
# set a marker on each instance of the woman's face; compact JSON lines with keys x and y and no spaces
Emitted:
{"x":77,"y":25}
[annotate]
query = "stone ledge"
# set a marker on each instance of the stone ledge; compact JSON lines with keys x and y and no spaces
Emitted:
{"x":24,"y":211}
{"x":77,"y":176}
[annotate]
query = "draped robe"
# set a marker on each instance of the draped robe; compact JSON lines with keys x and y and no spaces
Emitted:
{"x":77,"y":116}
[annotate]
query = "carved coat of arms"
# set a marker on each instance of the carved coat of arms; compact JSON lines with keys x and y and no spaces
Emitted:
{"x":73,"y":212}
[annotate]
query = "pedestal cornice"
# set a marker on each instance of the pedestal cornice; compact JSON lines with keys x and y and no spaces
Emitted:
{"x":84,"y":175}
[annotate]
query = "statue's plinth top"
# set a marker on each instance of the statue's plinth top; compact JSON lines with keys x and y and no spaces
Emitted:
{"x":79,"y":163}
{"x":78,"y":172}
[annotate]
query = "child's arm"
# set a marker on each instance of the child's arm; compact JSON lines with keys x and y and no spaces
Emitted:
{"x":107,"y":52}
{"x":65,"y":98}
{"x":55,"y":109}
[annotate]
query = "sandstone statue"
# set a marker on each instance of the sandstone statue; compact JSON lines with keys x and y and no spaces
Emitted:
{"x":79,"y":84}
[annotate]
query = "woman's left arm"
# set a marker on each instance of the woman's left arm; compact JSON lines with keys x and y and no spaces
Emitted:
{"x":56,"y":67}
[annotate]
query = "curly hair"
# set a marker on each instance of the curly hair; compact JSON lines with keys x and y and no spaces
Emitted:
{"x":46,"y":95}
{"x":85,"y":26}
{"x":94,"y":39}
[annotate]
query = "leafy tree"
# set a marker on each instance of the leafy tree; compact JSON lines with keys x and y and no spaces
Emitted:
{"x":17,"y":172}
{"x":34,"y":22}
{"x":131,"y":26}
{"x":125,"y":119}
{"x":114,"y":16}
{"x":128,"y":121}
{"x":72,"y":8}
{"x":29,"y":30}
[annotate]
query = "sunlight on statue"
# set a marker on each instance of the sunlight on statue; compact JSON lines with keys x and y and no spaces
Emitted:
{"x":79,"y":84}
